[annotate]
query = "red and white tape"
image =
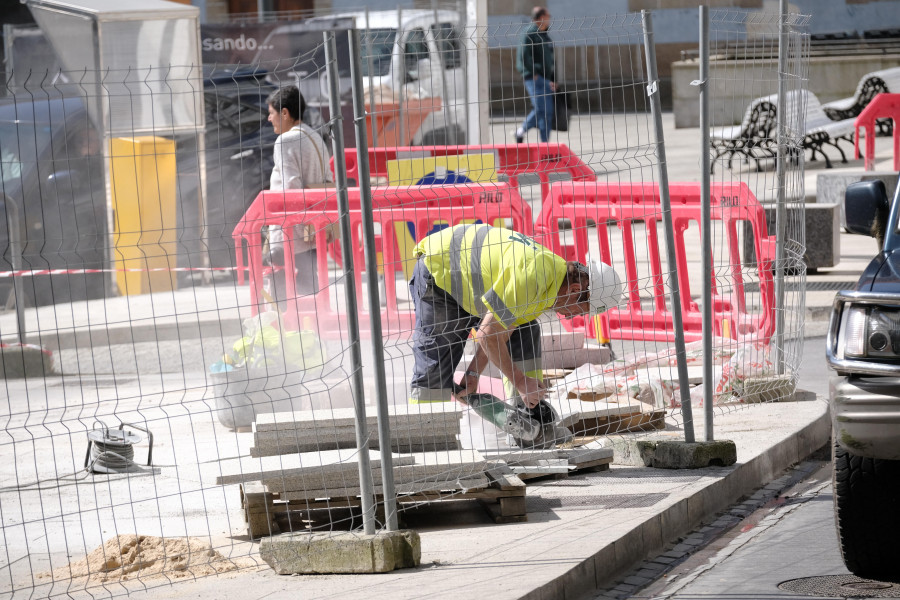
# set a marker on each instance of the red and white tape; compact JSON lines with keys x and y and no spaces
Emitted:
{"x":36,"y":272}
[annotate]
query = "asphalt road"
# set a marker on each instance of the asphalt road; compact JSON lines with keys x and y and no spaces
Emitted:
{"x":779,"y":544}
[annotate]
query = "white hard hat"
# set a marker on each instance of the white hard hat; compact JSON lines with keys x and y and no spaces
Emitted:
{"x":605,"y":286}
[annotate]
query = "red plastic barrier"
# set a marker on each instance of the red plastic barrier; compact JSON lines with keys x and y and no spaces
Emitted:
{"x":270,"y":207}
{"x":540,"y":159}
{"x":452,"y":205}
{"x":882,"y":106}
{"x":624,"y":205}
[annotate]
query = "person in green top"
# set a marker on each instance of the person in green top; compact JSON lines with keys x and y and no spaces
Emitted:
{"x":534,"y":60}
{"x":498,"y":282}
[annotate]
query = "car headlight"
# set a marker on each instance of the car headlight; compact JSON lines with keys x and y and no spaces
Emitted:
{"x":870,"y":332}
{"x":864,"y":334}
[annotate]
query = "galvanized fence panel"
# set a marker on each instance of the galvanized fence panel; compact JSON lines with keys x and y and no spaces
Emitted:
{"x":204,"y":383}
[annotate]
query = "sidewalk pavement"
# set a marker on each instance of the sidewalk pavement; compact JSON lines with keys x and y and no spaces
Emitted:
{"x":581,"y":532}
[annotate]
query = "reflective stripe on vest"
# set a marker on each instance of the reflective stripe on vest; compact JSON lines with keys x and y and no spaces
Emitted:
{"x":476,"y":276}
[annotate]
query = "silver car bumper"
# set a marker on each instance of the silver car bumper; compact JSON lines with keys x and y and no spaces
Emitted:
{"x":865,"y":413}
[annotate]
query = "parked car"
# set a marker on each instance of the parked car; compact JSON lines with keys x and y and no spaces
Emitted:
{"x":52,"y":169}
{"x":863,"y":346}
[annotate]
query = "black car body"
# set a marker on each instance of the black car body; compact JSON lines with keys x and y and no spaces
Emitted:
{"x":863,"y":346}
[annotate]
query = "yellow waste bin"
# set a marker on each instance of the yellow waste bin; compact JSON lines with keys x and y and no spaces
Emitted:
{"x":142,"y":170}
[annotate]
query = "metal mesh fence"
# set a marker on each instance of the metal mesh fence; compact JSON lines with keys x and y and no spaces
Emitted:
{"x":209,"y":319}
{"x":746,"y":86}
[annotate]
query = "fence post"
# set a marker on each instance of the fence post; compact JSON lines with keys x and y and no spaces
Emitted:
{"x":706,"y":227}
{"x":368,"y":232}
{"x":674,"y":291}
{"x":780,"y":209}
{"x":371,"y":59}
{"x":366,"y":486}
{"x":401,"y":116}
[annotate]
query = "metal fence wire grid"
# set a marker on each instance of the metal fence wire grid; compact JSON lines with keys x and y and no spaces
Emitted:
{"x":310,"y":293}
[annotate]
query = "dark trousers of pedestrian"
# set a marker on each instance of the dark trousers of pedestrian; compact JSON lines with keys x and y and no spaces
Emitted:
{"x":542,"y":102}
{"x":441,"y":330}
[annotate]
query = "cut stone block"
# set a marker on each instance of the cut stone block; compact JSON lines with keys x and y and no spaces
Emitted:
{"x":830,"y":187}
{"x":675,"y":454}
{"x":301,"y":553}
{"x":17,"y":362}
{"x":822,"y":225}
{"x":694,"y":455}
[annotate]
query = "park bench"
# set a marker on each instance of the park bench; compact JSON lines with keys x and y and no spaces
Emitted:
{"x":871,"y":84}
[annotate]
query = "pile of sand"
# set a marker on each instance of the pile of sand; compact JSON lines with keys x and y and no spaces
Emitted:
{"x":144,"y":556}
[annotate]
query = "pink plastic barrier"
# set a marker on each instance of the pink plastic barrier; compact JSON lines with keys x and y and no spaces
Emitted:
{"x":269,"y":208}
{"x":423,"y":206}
{"x":882,"y":106}
{"x":625,"y":205}
{"x":540,"y":159}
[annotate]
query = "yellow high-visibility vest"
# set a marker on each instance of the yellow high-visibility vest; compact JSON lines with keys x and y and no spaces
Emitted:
{"x":492,"y":269}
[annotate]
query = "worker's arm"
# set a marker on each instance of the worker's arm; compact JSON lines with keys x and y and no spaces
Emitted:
{"x":492,"y":338}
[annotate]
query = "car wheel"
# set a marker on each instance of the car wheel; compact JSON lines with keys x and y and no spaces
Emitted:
{"x":867,"y":514}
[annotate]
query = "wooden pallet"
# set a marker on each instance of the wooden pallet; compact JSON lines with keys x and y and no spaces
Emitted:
{"x":503,"y":496}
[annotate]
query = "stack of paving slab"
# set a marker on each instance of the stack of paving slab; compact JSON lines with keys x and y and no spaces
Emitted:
{"x":414,"y":428}
{"x":527,"y":464}
{"x":335,"y":474}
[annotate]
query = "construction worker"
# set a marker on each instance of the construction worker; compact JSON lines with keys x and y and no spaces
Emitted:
{"x":498,"y":281}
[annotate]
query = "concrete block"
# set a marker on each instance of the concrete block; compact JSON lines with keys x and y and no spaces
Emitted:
{"x":776,"y":388}
{"x":637,"y":452}
{"x":830,"y":187}
{"x":300,"y":553}
{"x":821,"y":222}
{"x":674,"y":454}
{"x":694,"y":455}
{"x":17,"y":362}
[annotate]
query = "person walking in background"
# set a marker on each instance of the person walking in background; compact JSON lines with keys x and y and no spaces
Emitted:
{"x":301,"y":161}
{"x":534,"y":60}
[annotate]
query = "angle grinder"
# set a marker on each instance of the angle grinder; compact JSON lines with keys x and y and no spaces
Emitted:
{"x":530,"y":428}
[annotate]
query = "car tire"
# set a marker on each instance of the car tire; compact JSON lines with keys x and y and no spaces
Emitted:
{"x":867,"y":514}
